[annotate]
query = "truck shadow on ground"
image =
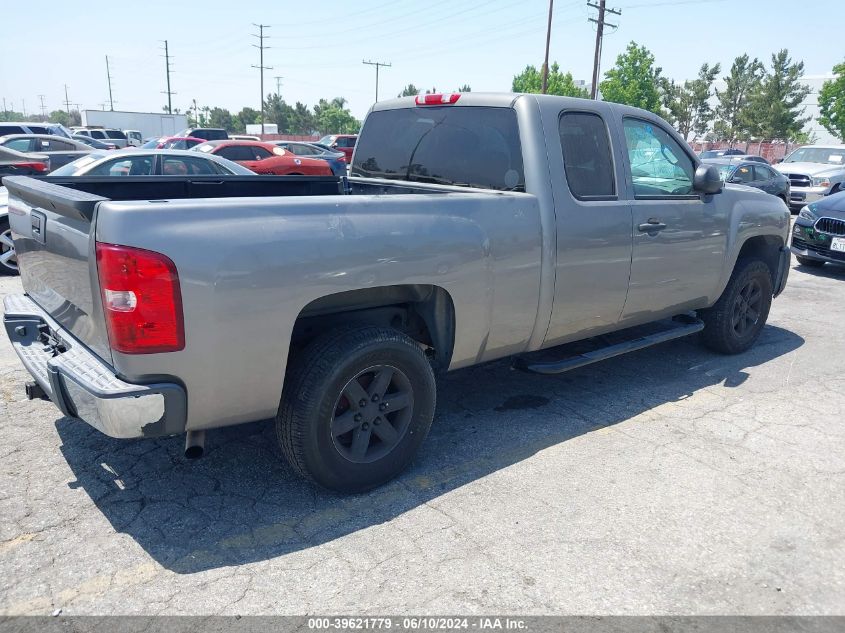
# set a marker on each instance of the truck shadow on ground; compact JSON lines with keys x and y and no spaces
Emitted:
{"x":241,"y":503}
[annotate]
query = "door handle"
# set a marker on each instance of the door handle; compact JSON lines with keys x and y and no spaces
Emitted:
{"x":652,"y":226}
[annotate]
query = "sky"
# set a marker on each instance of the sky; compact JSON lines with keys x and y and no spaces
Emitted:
{"x":318,"y":47}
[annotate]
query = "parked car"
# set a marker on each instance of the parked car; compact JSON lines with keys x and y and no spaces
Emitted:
{"x":29,"y":127}
{"x":59,"y":149}
{"x":265,"y":158}
{"x":467,"y":233}
{"x":243,"y":137}
{"x":151,"y":162}
{"x":134,"y":137}
{"x":752,"y":174}
{"x":205,"y":133}
{"x":718,"y":153}
{"x":172,"y":142}
{"x":341,"y":143}
{"x":814,"y":171}
{"x":15,"y":163}
{"x":336,"y":160}
{"x":93,"y":142}
{"x":105,"y":134}
{"x":818,"y":235}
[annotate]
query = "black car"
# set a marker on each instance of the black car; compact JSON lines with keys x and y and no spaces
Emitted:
{"x":818,"y":235}
{"x":29,"y":127}
{"x":718,"y":153}
{"x":205,"y":133}
{"x":93,"y":142}
{"x":752,"y":174}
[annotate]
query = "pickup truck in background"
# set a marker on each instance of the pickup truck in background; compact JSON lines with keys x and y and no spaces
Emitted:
{"x":814,"y":171}
{"x":474,"y":227}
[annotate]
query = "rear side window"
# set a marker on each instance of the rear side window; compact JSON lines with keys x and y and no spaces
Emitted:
{"x":586,"y":156}
{"x":762,"y":172}
{"x":187,"y":166}
{"x":19,"y":144}
{"x":11,"y":129}
{"x":470,"y":147}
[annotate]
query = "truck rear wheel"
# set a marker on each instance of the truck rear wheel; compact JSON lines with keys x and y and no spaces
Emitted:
{"x":733,"y":324}
{"x":356,"y":406}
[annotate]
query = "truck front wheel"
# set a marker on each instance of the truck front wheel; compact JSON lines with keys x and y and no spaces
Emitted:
{"x":733,"y":324}
{"x":356,"y":406}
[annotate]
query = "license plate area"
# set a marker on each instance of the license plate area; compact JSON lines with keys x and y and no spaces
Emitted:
{"x":837,"y":244}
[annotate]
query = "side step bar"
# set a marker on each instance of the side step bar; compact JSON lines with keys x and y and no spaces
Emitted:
{"x":574,"y":362}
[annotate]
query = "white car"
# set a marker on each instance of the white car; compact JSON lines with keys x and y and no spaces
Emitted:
{"x":814,"y":171}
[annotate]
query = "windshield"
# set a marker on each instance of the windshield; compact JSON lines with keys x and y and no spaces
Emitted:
{"x":71,"y":168}
{"x":822,"y":155}
{"x":470,"y":147}
{"x":326,"y":140}
{"x":725,"y":172}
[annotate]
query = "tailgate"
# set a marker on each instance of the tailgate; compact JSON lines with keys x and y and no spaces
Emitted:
{"x":52,"y":227}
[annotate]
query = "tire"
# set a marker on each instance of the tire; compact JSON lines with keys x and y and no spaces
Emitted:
{"x":733,"y":324}
{"x":334,"y":403}
{"x":810,"y":263}
{"x":8,"y":261}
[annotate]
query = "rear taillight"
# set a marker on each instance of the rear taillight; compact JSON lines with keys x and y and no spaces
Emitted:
{"x":142,"y":300}
{"x":437,"y":99}
{"x":342,"y":158}
{"x":40,"y":167}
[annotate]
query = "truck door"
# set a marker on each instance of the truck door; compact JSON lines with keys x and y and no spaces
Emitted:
{"x":680,"y":236}
{"x":593,"y":228}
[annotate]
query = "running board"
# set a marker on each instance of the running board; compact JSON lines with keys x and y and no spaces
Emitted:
{"x":574,"y":362}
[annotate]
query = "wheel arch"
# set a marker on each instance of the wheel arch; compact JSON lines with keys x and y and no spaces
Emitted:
{"x":764,"y":247}
{"x":424,"y":312}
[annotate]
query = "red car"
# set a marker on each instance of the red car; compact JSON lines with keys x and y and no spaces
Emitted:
{"x":342,"y":143}
{"x":266,"y":158}
{"x":173,"y":142}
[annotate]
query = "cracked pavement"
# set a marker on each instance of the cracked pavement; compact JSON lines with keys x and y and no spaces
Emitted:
{"x":668,"y":481}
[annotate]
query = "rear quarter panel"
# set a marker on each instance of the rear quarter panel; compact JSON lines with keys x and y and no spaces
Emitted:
{"x":248,"y":267}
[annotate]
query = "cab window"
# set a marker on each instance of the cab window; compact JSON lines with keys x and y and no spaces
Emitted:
{"x":659,"y":167}
{"x":586,"y":156}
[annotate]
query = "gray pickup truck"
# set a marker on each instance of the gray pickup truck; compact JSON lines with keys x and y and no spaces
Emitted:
{"x":473,"y":227}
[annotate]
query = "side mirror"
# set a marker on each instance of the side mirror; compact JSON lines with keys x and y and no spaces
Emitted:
{"x":707,"y":180}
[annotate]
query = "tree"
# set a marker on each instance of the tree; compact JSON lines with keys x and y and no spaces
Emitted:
{"x":732,"y":111}
{"x":832,"y":103}
{"x":332,"y":117}
{"x":302,"y":120}
{"x":465,"y":88}
{"x":634,"y":80}
{"x":689,"y":104}
{"x":247,"y":116}
{"x":220,"y":117}
{"x":562,"y":84}
{"x":409,"y":91}
{"x":774,"y":107}
{"x":62,"y":117}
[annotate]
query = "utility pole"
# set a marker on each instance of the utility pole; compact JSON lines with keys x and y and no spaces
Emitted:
{"x":168,"y":92}
{"x":545,"y":87}
{"x":278,"y":79}
{"x":600,"y":24}
{"x":67,"y":103}
{"x":108,"y":76}
{"x":261,"y":67}
{"x":43,"y":107}
{"x":377,"y":65}
{"x":23,"y":107}
{"x":5,"y":112}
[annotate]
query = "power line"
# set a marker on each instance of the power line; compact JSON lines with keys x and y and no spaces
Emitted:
{"x":108,"y":76}
{"x":261,"y":67}
{"x":168,"y":92}
{"x":377,"y":65}
{"x":600,"y":22}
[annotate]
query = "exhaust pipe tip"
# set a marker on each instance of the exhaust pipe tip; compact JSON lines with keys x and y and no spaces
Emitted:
{"x":194,"y":444}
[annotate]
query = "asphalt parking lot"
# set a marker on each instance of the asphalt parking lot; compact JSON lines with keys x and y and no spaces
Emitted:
{"x":669,"y":481}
